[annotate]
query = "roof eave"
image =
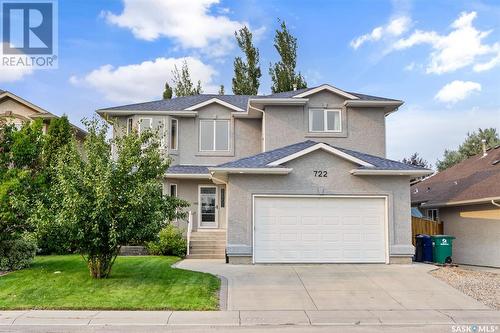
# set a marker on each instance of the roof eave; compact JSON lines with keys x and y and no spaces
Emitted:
{"x":389,"y":106}
{"x":187,"y":175}
{"x":378,"y":172}
{"x":269,"y":171}
{"x":459,"y":203}
{"x":114,"y":113}
{"x":278,"y":101}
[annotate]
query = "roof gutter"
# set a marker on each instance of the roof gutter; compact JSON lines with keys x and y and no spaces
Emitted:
{"x":182,"y":113}
{"x":463,"y":202}
{"x":188,"y":175}
{"x":375,"y":172}
{"x":389,"y":106}
{"x":268,"y":171}
{"x":278,"y":101}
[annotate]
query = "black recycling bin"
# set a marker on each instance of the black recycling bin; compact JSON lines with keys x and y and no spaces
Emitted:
{"x":423,"y":248}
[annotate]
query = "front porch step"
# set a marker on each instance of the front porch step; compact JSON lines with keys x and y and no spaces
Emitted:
{"x":206,"y":256}
{"x":207,"y":244}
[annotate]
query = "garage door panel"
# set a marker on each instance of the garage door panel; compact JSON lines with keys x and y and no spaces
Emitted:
{"x":312,"y":229}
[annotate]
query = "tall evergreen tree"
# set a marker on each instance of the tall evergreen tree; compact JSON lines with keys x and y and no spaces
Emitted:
{"x":246,"y":72}
{"x":221,"y":89}
{"x":283,"y":72}
{"x":59,"y":134}
{"x":183,"y":86}
{"x":168,"y":92}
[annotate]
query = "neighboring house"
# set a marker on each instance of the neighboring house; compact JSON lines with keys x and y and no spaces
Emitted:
{"x":466,"y":199}
{"x":16,"y":110}
{"x":299,"y":176}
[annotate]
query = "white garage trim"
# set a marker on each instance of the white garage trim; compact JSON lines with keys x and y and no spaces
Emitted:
{"x":386,"y":215}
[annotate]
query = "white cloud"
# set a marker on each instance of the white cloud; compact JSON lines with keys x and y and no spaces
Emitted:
{"x":13,"y":73}
{"x":462,"y":47}
{"x":190,"y":23}
{"x":144,"y":81}
{"x":456,"y":91}
{"x":430,"y":132}
{"x":394,"y":28}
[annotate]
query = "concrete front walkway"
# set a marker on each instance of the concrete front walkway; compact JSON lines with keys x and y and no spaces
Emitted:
{"x":346,"y":287}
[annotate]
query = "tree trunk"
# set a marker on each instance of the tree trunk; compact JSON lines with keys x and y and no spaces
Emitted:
{"x":100,"y":265}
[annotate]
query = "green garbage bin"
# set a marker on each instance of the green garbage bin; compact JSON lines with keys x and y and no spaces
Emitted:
{"x":442,"y":246}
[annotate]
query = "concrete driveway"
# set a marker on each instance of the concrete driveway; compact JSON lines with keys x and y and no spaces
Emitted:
{"x":334,"y":287}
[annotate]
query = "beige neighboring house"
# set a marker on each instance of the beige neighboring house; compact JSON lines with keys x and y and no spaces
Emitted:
{"x":293,"y":177}
{"x":16,"y":110}
{"x":466,"y":199}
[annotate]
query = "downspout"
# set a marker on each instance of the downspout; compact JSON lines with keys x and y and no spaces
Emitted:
{"x":495,"y":203}
{"x":263,"y":125}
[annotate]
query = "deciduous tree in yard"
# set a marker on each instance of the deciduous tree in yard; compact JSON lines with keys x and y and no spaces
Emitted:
{"x":21,"y":181}
{"x":183,"y":86}
{"x":109,"y":201}
{"x":246,"y":72}
{"x":283,"y":72}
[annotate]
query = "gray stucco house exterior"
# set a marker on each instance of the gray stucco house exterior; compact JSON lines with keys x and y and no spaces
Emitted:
{"x":293,"y":177}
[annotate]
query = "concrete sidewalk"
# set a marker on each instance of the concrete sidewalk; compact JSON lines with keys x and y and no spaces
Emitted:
{"x":249,"y":318}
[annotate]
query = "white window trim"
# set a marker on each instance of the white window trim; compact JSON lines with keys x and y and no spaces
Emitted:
{"x":129,"y":130}
{"x":176,"y":133}
{"x":325,"y":120}
{"x":215,"y":133}
{"x":139,"y":124}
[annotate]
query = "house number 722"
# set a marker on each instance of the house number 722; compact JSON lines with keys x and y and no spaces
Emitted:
{"x":320,"y":173}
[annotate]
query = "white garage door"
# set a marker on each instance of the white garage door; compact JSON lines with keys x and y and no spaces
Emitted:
{"x":319,"y":229}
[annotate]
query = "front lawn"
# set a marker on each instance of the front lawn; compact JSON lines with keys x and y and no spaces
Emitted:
{"x":148,"y":283}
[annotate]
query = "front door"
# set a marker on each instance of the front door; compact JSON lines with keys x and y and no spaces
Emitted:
{"x":208,"y":207}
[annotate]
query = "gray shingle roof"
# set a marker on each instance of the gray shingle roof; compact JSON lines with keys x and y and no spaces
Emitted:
{"x":188,"y":169}
{"x":289,"y":94}
{"x":241,"y":101}
{"x":263,"y":159}
{"x":181,"y":103}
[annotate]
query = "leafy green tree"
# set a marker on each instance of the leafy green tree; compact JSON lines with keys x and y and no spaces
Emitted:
{"x":21,"y":182}
{"x":283,"y":73}
{"x":416,"y":160}
{"x":110,"y":202}
{"x":471,"y":146}
{"x":59,"y":134}
{"x":246,"y":72}
{"x":183,"y":86}
{"x":168,"y":92}
{"x":221,"y":89}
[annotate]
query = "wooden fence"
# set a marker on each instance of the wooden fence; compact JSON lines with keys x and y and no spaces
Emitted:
{"x":424,"y":226}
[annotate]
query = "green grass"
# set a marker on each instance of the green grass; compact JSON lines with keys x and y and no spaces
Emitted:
{"x":136,"y":283}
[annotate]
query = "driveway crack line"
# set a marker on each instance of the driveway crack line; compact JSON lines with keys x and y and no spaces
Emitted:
{"x":307,"y":316}
{"x":382,"y":287}
{"x":169,"y":316}
{"x":447,"y":315}
{"x":307,"y":291}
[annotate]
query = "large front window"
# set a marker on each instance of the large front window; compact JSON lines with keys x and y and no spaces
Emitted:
{"x":214,"y":135}
{"x":321,"y":120}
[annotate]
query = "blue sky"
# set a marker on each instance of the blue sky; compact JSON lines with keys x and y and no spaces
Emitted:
{"x":441,"y":57}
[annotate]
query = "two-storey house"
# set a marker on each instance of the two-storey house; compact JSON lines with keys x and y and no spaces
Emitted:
{"x":299,"y":176}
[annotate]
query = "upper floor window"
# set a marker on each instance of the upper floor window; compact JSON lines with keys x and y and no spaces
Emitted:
{"x":214,"y":135}
{"x":145,"y":124}
{"x":323,"y":120}
{"x":173,"y":133}
{"x":130,"y":125}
